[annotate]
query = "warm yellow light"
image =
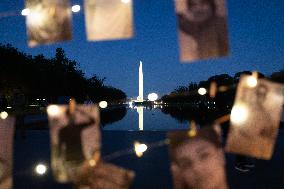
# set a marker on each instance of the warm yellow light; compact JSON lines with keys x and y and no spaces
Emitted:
{"x":251,"y":81}
{"x":126,"y":1}
{"x":152,"y":96}
{"x":92,"y":163}
{"x":139,"y":148}
{"x":53,"y":110}
{"x":3,"y":115}
{"x":103,"y":104}
{"x":192,"y":133}
{"x":25,"y":12}
{"x":239,"y":114}
{"x":202,"y":91}
{"x":76,"y":8}
{"x":36,"y":18}
{"x":40,"y":169}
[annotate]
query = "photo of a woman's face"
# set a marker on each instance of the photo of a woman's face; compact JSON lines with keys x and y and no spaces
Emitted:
{"x":200,"y":163}
{"x":199,"y":10}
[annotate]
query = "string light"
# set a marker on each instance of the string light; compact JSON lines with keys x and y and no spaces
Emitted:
{"x":251,"y":81}
{"x":3,"y":115}
{"x":103,"y":104}
{"x":239,"y":114}
{"x":76,"y":8}
{"x":40,"y":169}
{"x":139,"y":148}
{"x":25,"y":12}
{"x":202,"y":91}
{"x":53,"y":110}
{"x":125,"y":1}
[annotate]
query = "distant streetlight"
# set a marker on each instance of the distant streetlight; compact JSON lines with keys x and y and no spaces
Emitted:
{"x":76,"y":8}
{"x":152,"y":96}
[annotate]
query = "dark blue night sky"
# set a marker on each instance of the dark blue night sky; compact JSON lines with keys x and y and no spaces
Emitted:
{"x":256,"y":39}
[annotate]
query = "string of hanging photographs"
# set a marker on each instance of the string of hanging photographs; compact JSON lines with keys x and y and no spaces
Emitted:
{"x":76,"y":140}
{"x":200,"y":35}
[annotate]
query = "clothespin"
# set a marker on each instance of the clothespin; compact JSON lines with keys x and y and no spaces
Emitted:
{"x":222,"y":119}
{"x":251,"y":81}
{"x":193,"y":129}
{"x":213,"y":89}
{"x":95,"y":159}
{"x":72,"y":106}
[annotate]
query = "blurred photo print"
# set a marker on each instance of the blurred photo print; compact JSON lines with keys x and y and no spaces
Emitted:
{"x":48,"y":21}
{"x":104,"y":176}
{"x":255,"y":118}
{"x":197,"y":161}
{"x":6,"y":152}
{"x":108,"y":19}
{"x":75,"y":137}
{"x":202,"y":29}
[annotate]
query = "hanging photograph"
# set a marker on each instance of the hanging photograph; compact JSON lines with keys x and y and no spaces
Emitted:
{"x":105,"y":175}
{"x":6,"y":152}
{"x":108,"y":19}
{"x":202,"y":29}
{"x":255,"y":118}
{"x":75,"y":137}
{"x":197,"y":160}
{"x":48,"y":21}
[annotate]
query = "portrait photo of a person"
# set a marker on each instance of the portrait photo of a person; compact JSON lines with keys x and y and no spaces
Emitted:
{"x":6,"y":152}
{"x":256,"y":135}
{"x":202,"y":29}
{"x":197,"y":162}
{"x":48,"y":21}
{"x":75,"y":137}
{"x":108,"y":19}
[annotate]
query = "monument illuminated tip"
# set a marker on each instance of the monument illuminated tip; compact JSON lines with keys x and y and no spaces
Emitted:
{"x":140,"y":97}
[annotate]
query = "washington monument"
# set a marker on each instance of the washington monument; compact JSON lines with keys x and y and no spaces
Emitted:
{"x":140,"y":97}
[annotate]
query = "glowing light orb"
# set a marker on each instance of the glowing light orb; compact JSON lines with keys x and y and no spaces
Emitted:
{"x":251,"y":81}
{"x":239,"y":114}
{"x":202,"y":91}
{"x":139,"y":148}
{"x":92,"y":163}
{"x":53,"y":110}
{"x":103,"y":104}
{"x":126,"y":1}
{"x":25,"y":12}
{"x":152,"y":96}
{"x":76,"y":8}
{"x":40,"y":169}
{"x":3,"y":115}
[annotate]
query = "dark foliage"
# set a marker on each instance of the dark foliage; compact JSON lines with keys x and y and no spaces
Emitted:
{"x":49,"y":78}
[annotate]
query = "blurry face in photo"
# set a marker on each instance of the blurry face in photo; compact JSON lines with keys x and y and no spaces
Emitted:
{"x":199,"y":10}
{"x":199,"y":163}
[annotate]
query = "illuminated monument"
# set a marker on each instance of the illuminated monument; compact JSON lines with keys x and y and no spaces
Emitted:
{"x":140,"y":97}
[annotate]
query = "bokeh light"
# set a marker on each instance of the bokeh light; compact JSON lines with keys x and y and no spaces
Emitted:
{"x":239,"y":114}
{"x":103,"y":104}
{"x":152,"y":96}
{"x":139,"y":148}
{"x":202,"y":91}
